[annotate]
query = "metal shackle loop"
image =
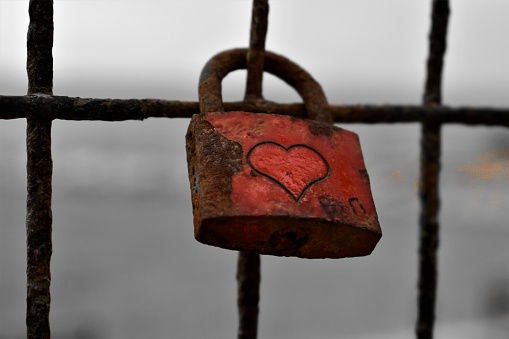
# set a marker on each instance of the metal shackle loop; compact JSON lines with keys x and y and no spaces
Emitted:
{"x":228,"y":61}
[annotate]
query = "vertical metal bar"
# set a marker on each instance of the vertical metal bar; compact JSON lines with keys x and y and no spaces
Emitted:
{"x":256,"y":53}
{"x":248,"y":266}
{"x":39,"y":171}
{"x":437,"y":46}
{"x":248,"y":279}
{"x":430,"y":169}
{"x":429,"y":228}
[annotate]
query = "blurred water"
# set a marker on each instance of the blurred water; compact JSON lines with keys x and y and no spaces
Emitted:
{"x":125,"y":264}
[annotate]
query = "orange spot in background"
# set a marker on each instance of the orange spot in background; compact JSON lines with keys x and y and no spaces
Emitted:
{"x":489,"y":167}
{"x":492,"y":166}
{"x":396,"y":175}
{"x":418,"y":185}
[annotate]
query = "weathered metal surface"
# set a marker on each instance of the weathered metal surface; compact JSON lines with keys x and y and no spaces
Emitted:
{"x":271,"y":184}
{"x":41,"y":109}
{"x":256,"y":52}
{"x":72,"y":108}
{"x":38,"y":227}
{"x":39,"y":172}
{"x":280,"y":185}
{"x":220,"y":65}
{"x":429,"y":229}
{"x":40,"y":46}
{"x":248,"y":268}
{"x":437,"y":46}
{"x":248,"y":280}
{"x":430,"y":170}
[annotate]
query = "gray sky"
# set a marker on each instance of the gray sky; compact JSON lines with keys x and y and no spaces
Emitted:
{"x":157,"y":48}
{"x":125,"y":264}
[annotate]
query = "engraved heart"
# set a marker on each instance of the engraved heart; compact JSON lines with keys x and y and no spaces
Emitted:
{"x":295,"y":168}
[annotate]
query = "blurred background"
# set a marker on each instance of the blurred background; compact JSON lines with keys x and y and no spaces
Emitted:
{"x":125,"y":263}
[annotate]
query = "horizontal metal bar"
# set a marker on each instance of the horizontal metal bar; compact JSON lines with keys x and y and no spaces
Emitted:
{"x":74,"y":108}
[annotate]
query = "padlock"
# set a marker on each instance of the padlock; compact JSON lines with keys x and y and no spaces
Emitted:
{"x":275,"y":184}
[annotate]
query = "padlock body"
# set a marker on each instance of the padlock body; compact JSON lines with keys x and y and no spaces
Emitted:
{"x":279,"y":185}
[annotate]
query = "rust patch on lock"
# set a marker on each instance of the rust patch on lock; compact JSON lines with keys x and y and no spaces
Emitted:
{"x":317,"y":128}
{"x":212,"y":161}
{"x":288,"y":239}
{"x":364,"y":174}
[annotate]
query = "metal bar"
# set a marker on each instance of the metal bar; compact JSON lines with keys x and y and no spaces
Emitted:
{"x":38,"y":227}
{"x":39,"y":171}
{"x":70,"y":108}
{"x":39,"y":47}
{"x":437,"y":46}
{"x":248,"y":265}
{"x":248,"y":279}
{"x":228,"y":61}
{"x":430,"y":170}
{"x":429,"y":228}
{"x":256,"y":53}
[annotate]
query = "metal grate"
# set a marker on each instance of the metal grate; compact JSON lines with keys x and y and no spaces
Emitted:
{"x":40,"y":107}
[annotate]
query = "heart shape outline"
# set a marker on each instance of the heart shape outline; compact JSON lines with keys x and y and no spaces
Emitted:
{"x":287,"y":150}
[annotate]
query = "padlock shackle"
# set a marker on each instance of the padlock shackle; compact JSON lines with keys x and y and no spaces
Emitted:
{"x":221,"y":64}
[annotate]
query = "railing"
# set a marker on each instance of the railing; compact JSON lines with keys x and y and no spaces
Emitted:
{"x":40,"y":107}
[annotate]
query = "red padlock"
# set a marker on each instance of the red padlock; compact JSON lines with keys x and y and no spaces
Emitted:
{"x":275,"y":184}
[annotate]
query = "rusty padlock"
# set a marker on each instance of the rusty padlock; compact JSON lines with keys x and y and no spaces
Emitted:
{"x":275,"y":184}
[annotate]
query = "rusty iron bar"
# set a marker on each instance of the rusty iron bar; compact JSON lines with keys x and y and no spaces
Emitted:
{"x":248,"y":280}
{"x":430,"y":171}
{"x":256,"y":52}
{"x":437,"y":46}
{"x":248,"y":266}
{"x":39,"y":171}
{"x":72,"y":108}
{"x":228,"y":61}
{"x":38,"y":227}
{"x":429,"y":228}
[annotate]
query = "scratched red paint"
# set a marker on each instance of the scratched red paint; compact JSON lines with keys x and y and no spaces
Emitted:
{"x":295,"y":169}
{"x":258,"y":195}
{"x":291,"y":184}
